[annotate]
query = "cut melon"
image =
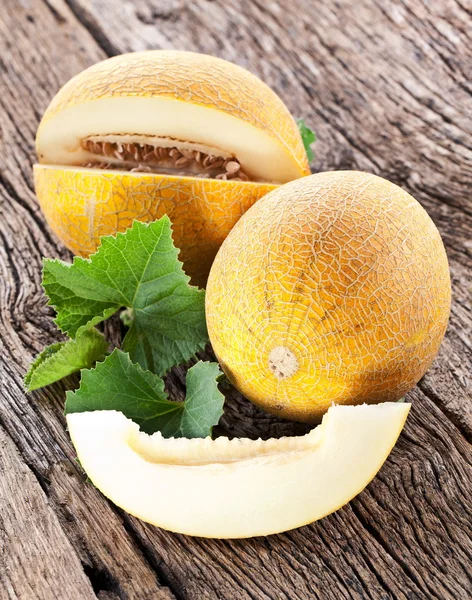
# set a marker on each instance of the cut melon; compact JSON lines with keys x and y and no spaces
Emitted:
{"x":180,"y":97}
{"x":160,"y":131}
{"x":236,"y":488}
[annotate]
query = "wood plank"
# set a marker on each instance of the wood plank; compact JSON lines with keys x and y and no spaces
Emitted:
{"x":378,"y":102}
{"x":37,"y":561}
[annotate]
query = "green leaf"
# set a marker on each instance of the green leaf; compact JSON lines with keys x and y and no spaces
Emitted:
{"x":204,"y":402}
{"x":119,"y":384}
{"x":308,"y":138}
{"x":138,"y":270}
{"x":63,"y":358}
{"x":127,"y":317}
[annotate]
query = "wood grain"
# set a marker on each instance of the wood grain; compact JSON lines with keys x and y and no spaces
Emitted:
{"x":387,"y":88}
{"x":36,"y":558}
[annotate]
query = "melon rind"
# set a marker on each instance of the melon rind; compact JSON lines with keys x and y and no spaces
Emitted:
{"x":81,"y":205}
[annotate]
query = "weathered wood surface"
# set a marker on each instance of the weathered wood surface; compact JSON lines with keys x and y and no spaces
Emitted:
{"x":387,"y":87}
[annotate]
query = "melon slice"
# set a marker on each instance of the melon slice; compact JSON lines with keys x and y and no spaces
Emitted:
{"x":236,"y":488}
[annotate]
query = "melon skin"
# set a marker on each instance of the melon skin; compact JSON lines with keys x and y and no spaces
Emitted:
{"x":81,"y":205}
{"x":347,"y":273}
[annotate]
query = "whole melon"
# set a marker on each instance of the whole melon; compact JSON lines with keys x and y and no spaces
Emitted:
{"x":332,"y":288}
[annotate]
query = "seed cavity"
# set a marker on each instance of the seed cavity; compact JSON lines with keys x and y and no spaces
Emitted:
{"x":282,"y":362}
{"x":148,"y":154}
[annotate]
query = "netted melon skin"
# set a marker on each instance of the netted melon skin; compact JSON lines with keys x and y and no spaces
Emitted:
{"x":80,"y":206}
{"x":347,"y":272}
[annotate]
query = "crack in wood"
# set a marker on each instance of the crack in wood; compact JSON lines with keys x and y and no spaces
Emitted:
{"x":38,"y":221}
{"x":159,"y":567}
{"x":447,"y":413}
{"x":90,"y":24}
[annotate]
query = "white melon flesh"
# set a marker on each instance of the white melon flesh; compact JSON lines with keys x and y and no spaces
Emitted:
{"x":260,"y":155}
{"x":236,"y":488}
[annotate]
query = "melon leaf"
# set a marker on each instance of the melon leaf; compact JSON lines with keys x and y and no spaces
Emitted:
{"x":308,"y":138}
{"x":63,"y":358}
{"x":137,"y":270}
{"x":203,"y":402}
{"x":119,"y":384}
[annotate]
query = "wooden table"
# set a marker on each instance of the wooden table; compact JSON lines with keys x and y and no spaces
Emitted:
{"x":386,"y":85}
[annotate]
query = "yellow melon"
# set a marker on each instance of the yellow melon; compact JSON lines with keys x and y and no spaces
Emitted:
{"x":162,"y":131}
{"x":332,"y":288}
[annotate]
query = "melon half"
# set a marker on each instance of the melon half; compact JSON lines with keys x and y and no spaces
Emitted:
{"x":236,"y":488}
{"x":148,"y":133}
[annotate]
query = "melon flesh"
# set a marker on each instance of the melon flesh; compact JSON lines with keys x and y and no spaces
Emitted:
{"x":216,"y":132}
{"x":236,"y":488}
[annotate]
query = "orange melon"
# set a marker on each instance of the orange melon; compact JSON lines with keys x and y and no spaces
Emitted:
{"x":332,"y":289}
{"x":151,"y":132}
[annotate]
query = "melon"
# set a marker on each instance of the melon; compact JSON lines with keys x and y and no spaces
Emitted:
{"x":155,"y":132}
{"x":332,"y":288}
{"x":236,"y":488}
